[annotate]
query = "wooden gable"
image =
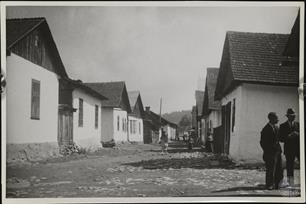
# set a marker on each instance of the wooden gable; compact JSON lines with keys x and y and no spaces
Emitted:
{"x":34,"y":43}
{"x":124,"y":102}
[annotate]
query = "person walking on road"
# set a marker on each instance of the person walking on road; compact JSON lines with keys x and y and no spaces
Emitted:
{"x":289,"y":132}
{"x":210,"y":142}
{"x":164,"y":142}
{"x":269,"y":142}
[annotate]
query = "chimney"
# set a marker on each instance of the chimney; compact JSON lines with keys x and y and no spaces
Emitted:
{"x":147,"y":109}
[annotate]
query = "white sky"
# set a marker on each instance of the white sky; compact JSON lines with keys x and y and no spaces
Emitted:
{"x":160,"y":51}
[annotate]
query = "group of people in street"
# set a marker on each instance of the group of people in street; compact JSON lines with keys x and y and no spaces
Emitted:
{"x":271,"y":137}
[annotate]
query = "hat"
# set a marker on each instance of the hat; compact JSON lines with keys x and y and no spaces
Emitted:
{"x":272,"y":115}
{"x":290,"y":111}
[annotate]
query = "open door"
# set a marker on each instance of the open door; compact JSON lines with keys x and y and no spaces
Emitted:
{"x":226,"y":124}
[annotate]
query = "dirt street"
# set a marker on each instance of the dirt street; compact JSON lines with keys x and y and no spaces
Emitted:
{"x":131,"y":170}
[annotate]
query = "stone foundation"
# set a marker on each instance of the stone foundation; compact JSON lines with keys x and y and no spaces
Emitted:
{"x":31,"y":152}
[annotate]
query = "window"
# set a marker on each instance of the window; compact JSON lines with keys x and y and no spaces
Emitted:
{"x":123,"y":124}
{"x":35,"y":99}
{"x":118,"y":123}
{"x":233,"y":115}
{"x":96,"y":116}
{"x":80,"y":112}
{"x":139,"y":128}
{"x":131,"y":126}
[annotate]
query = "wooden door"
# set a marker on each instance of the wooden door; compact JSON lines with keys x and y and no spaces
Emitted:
{"x":227,"y":127}
{"x":65,"y":127}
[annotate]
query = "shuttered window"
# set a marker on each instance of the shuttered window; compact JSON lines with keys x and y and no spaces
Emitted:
{"x":35,"y":99}
{"x":80,"y":112}
{"x":96,"y":116}
{"x":118,"y":123}
{"x":233,"y":115}
{"x":122,"y":124}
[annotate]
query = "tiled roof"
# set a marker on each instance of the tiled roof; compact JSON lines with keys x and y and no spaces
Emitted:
{"x":79,"y":84}
{"x":111,"y":90}
{"x":199,"y":101}
{"x":210,"y":87}
{"x":17,"y":29}
{"x":133,"y":96}
{"x":155,"y":118}
{"x":255,"y":58}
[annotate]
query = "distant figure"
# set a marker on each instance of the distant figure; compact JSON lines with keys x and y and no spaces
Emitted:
{"x":210,"y":142}
{"x":191,"y":139}
{"x":164,"y":142}
{"x":289,"y":133}
{"x":269,"y":142}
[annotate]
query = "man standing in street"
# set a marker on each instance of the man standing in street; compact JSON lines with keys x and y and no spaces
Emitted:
{"x":289,"y":134}
{"x":269,"y":142}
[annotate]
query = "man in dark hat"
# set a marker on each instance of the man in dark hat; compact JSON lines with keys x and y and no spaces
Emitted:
{"x":289,"y":134}
{"x":269,"y":142}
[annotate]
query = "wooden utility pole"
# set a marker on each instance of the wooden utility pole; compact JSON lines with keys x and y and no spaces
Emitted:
{"x":160,"y":110}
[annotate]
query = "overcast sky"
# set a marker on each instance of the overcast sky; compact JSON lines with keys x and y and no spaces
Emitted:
{"x":160,"y":51}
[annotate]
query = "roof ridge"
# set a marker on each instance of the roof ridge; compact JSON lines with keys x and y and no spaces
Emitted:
{"x":22,"y":19}
{"x":262,"y":33}
{"x":105,"y":82}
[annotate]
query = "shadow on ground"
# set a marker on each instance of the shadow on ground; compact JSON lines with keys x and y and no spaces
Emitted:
{"x":242,"y":188}
{"x":177,"y":163}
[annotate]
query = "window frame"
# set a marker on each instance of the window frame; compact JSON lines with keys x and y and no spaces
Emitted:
{"x":35,"y":100}
{"x":81,"y":113}
{"x":233,"y":115}
{"x":96,"y":116}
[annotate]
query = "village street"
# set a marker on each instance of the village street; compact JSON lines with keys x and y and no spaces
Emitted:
{"x":131,"y":170}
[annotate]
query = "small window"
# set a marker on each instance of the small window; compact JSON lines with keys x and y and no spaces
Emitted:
{"x":80,"y":112}
{"x":122,"y":124}
{"x":118,"y":123}
{"x":96,"y":116}
{"x":139,"y":128}
{"x":233,"y":115}
{"x":35,"y":99}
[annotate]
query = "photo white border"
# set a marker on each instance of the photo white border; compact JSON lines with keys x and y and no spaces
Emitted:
{"x":301,"y":199}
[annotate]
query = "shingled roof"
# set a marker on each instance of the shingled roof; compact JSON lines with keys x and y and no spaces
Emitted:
{"x":209,"y":97}
{"x":18,"y":29}
{"x":254,"y":58}
{"x":115,"y":92}
{"x":155,"y":119}
{"x":79,"y":84}
{"x":199,"y":95}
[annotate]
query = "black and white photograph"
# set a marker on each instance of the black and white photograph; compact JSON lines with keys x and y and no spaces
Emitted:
{"x":152,"y":102}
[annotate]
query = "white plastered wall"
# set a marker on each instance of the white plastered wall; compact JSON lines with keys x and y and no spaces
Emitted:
{"x":20,"y":127}
{"x":87,"y":136}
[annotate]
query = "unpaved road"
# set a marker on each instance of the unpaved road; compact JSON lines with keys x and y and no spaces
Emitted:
{"x":137,"y":171}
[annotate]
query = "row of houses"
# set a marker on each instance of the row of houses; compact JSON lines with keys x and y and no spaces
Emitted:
{"x":44,"y":105}
{"x":258,"y":74}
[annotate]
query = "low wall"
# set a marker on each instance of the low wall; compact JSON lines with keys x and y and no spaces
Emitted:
{"x":31,"y":152}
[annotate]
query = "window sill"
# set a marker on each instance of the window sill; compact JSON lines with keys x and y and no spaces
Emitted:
{"x":32,"y":118}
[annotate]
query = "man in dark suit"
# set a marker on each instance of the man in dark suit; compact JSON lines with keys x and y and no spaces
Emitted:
{"x":269,"y":142}
{"x":289,"y":134}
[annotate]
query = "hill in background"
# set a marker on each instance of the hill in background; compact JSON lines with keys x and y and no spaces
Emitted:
{"x":176,"y":116}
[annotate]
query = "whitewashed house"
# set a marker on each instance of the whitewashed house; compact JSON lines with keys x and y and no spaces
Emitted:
{"x":114,"y":110}
{"x":255,"y":78}
{"x":211,"y":107}
{"x":85,"y":113}
{"x":135,"y":118}
{"x":34,"y":68}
